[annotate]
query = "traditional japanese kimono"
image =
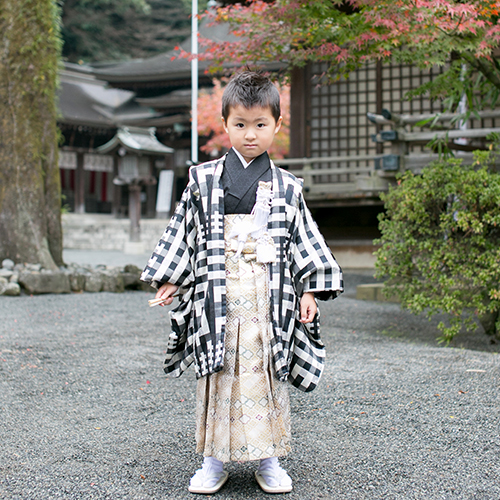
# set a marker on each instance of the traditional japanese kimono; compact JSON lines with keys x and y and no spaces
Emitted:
{"x":237,"y":319}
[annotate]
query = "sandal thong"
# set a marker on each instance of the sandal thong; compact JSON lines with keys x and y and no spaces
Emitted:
{"x":204,"y":490}
{"x":260,"y":477}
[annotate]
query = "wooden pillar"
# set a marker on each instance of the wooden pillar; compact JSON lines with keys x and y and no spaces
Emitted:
{"x":151,"y":191}
{"x":151,"y":200}
{"x":134,"y":209}
{"x":300,"y":120}
{"x":79,"y":185}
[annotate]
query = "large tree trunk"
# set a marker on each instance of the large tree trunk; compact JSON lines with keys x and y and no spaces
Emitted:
{"x":30,"y":194}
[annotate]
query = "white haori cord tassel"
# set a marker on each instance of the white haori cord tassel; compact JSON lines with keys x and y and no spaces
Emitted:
{"x":266,"y":251}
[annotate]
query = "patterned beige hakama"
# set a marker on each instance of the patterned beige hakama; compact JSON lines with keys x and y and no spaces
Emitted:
{"x":243,"y":411}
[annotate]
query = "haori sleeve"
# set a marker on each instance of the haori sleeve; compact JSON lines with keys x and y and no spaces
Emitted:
{"x":173,"y":258}
{"x":314,"y":268}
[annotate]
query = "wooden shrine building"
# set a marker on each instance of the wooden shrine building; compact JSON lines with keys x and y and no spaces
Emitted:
{"x":348,"y":138}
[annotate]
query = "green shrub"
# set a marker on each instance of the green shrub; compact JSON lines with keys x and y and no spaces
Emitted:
{"x":440,"y":243}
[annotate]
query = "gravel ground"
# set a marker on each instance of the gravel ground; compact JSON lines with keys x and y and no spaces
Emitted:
{"x":87,"y":413}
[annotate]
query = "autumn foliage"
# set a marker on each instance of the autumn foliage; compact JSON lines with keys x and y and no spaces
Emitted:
{"x":461,"y":35}
{"x":210,"y":123}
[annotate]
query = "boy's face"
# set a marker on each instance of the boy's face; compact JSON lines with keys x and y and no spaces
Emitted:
{"x":251,"y":131}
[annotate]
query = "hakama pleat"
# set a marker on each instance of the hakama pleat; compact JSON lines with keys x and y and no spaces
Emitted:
{"x":243,"y":411}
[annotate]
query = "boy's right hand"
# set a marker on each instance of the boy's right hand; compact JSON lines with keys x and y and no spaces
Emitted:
{"x":166,"y":292}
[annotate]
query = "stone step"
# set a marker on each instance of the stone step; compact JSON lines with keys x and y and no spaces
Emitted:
{"x":104,"y":232}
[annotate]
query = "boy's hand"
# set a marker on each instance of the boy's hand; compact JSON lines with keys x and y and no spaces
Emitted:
{"x":166,"y":292}
{"x":308,"y":307}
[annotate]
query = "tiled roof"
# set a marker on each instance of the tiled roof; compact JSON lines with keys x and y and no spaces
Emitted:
{"x":139,"y":140}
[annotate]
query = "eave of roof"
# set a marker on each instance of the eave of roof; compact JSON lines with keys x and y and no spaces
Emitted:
{"x":75,"y":107}
{"x":87,"y":102}
{"x":137,"y":140}
{"x":162,"y":121}
{"x":175,"y":99}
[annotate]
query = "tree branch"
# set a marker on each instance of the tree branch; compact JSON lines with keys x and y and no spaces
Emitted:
{"x":487,"y":68}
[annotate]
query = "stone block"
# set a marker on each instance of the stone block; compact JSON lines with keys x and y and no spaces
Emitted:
{"x":33,"y":267}
{"x":6,"y":273}
{"x":77,"y":282}
{"x":35,"y":282}
{"x":93,"y":282}
{"x":3,"y":284}
{"x":8,"y":264}
{"x":366,"y":292}
{"x":131,"y":268}
{"x":131,"y":281}
{"x":10,"y":289}
{"x":374,"y":291}
{"x":112,"y":281}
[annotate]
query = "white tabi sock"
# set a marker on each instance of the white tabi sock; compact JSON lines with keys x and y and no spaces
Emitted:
{"x":273,"y":474}
{"x":209,"y":474}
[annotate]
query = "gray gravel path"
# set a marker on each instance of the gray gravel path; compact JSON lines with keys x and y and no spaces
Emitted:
{"x":87,"y":413}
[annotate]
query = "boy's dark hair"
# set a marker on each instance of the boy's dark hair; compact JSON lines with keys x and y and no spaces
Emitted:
{"x":250,"y":89}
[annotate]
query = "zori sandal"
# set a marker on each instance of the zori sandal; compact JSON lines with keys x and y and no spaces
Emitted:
{"x":209,"y":479}
{"x":272,"y":478}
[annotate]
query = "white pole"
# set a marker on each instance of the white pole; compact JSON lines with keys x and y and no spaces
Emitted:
{"x":194,"y":81}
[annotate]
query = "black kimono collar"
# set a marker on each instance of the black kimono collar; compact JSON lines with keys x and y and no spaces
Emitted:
{"x":241,"y":178}
{"x":240,"y":183}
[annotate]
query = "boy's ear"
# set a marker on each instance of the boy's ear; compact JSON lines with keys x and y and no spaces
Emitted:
{"x":278,"y":124}
{"x":224,"y":124}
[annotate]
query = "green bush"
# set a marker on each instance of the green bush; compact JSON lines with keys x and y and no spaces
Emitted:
{"x":440,"y":243}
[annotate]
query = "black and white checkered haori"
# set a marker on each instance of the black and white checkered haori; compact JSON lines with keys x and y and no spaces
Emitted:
{"x":190,"y":254}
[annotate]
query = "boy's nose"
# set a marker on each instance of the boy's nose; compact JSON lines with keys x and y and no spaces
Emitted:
{"x":250,"y":134}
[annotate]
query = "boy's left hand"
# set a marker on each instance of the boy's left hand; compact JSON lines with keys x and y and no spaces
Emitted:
{"x":308,"y":307}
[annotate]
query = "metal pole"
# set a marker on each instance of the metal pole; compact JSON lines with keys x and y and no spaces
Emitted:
{"x":194,"y":82}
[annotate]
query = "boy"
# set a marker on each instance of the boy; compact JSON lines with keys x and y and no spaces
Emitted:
{"x":248,"y":262}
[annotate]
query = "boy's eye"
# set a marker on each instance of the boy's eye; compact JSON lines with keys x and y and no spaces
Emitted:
{"x":261,"y":125}
{"x":240,"y":125}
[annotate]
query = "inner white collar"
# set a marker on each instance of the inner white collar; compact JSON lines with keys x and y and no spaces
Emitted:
{"x":243,"y":161}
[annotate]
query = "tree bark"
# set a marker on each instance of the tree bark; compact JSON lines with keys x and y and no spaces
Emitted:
{"x":30,"y":193}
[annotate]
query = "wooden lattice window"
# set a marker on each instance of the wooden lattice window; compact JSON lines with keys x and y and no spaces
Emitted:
{"x":339,"y":125}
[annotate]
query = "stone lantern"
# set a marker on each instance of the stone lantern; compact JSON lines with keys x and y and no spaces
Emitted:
{"x":135,"y":150}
